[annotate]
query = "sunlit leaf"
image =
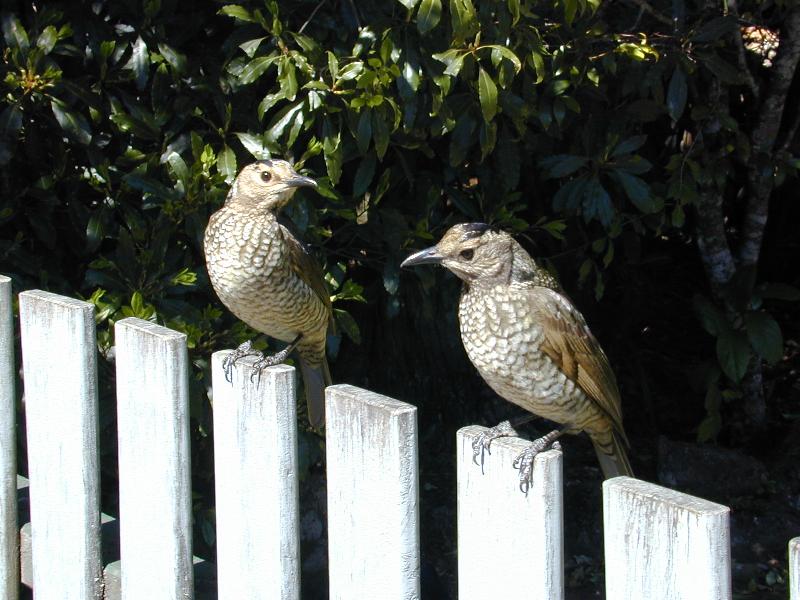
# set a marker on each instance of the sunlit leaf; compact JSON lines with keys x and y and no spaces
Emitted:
{"x":487,"y":93}
{"x":74,"y":124}
{"x":226,"y":163}
{"x":428,"y":15}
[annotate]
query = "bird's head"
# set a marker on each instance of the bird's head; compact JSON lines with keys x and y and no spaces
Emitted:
{"x":267,"y":184}
{"x":473,"y":251}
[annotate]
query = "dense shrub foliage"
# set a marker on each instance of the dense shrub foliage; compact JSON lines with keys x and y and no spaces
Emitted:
{"x":593,"y":130}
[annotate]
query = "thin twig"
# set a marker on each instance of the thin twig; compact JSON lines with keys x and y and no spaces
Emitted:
{"x":311,"y":16}
{"x":653,"y":12}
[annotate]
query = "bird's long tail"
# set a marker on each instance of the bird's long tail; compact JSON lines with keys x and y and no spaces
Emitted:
{"x":315,"y":380}
{"x":613,"y":457}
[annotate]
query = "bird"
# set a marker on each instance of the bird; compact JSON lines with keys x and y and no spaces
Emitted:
{"x":530,"y":343}
{"x":266,"y":277}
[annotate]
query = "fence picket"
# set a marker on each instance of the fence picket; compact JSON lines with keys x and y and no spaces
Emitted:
{"x":794,"y":569}
{"x":9,"y":534}
{"x":373,"y":496}
{"x":660,"y":539}
{"x":59,"y":358}
{"x":154,"y":462}
{"x":255,"y":453}
{"x":510,"y":544}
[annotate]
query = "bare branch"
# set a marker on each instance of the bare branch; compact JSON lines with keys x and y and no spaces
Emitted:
{"x":764,"y":137}
{"x":712,"y":242}
{"x":653,"y":12}
{"x":741,"y":56}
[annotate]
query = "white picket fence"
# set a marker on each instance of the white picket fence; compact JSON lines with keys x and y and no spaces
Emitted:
{"x":659,"y":544}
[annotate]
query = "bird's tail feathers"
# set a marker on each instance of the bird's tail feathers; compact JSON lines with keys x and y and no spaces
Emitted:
{"x":315,"y":380}
{"x":613,"y":459}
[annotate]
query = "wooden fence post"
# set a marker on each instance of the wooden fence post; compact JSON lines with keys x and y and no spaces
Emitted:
{"x":154,"y":462}
{"x":373,"y":496}
{"x":794,"y":569}
{"x":510,"y":544}
{"x":255,"y":456}
{"x":663,"y":544}
{"x":59,"y":357}
{"x":9,"y":531}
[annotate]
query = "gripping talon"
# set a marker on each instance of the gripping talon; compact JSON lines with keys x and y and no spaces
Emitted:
{"x":244,"y":349}
{"x":524,"y":461}
{"x":483,"y":442}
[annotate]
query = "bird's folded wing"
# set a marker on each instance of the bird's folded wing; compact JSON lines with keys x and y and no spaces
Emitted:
{"x":570,"y":344}
{"x":306,"y":267}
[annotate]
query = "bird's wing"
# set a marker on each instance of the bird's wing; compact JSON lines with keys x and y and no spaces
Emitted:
{"x":306,"y":267}
{"x":572,"y":347}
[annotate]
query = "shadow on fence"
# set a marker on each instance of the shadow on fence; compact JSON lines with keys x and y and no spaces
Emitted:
{"x":658,"y":543}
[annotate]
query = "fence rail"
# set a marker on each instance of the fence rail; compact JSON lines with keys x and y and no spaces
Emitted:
{"x":659,"y":543}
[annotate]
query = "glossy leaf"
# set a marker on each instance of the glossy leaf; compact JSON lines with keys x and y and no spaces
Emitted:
{"x":226,"y":163}
{"x":733,"y":353}
{"x":676,"y":94}
{"x":765,"y":335}
{"x":428,"y":15}
{"x":487,"y":93}
{"x":74,"y":124}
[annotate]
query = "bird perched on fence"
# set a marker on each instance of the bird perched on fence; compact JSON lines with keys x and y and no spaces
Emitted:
{"x":530,"y":344}
{"x":265,"y":276}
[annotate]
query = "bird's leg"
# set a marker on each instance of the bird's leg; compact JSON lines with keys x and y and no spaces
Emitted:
{"x":245,"y":349}
{"x":524,"y":462}
{"x":274,"y":359}
{"x":482,"y":443}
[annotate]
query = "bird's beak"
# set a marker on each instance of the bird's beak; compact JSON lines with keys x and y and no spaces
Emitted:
{"x":299,"y":181}
{"x":429,"y":256}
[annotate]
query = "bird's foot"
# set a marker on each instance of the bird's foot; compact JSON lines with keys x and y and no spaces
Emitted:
{"x":245,"y":349}
{"x":270,"y":361}
{"x":524,"y":461}
{"x":482,"y":443}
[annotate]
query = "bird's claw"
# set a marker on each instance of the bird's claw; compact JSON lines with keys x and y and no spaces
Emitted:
{"x":524,"y":461}
{"x":482,"y":443}
{"x":244,"y":349}
{"x":269,"y":361}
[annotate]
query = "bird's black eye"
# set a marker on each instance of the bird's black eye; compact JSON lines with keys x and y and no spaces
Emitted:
{"x":266,"y":176}
{"x":467,"y":254}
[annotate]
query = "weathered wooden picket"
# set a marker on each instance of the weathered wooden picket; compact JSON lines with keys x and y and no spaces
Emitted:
{"x":659,"y":544}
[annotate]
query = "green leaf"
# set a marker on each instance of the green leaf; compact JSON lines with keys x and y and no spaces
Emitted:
{"x":364,"y":174}
{"x":429,"y":15}
{"x":487,"y":93}
{"x":47,"y":39}
{"x":538,"y":66}
{"x":597,"y":203}
{"x":14,"y":33}
{"x":722,"y":69}
{"x":254,"y":144}
{"x":140,"y":63}
{"x":461,"y":139}
{"x":74,"y":124}
{"x":676,"y":94}
{"x":347,"y":324}
{"x":10,"y":122}
{"x":380,"y":133}
{"x":226,"y":163}
{"x":454,"y":59}
{"x":716,"y":28}
{"x":507,"y":54}
{"x":179,"y":168}
{"x":570,"y":9}
{"x":249,"y":47}
{"x":364,"y":131}
{"x":514,"y":9}
{"x":765,"y":335}
{"x":562,"y":165}
{"x":255,"y":68}
{"x":175,"y":59}
{"x":711,"y":317}
{"x":350,"y":71}
{"x":629,"y":145}
{"x":779,"y":291}
{"x":409,"y":4}
{"x":637,"y":190}
{"x":463,"y":19}
{"x":281,"y":120}
{"x":733,"y":353}
{"x":237,"y":12}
